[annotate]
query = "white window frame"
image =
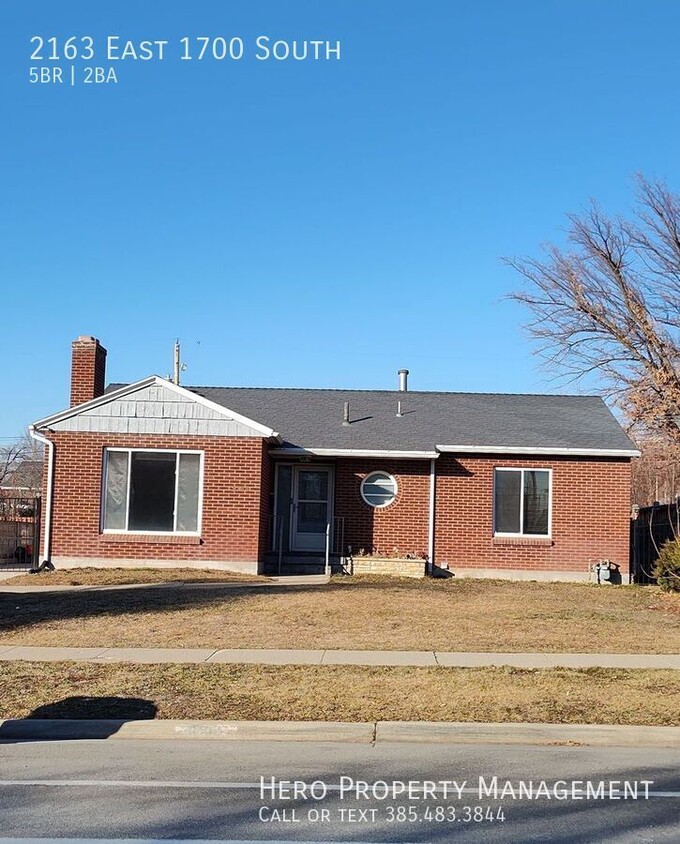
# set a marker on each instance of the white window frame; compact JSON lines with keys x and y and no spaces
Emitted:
{"x":177,"y":452}
{"x":370,"y":475}
{"x":522,"y":470}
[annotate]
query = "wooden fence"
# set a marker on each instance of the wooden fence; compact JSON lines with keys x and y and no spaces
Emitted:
{"x":649,"y":529}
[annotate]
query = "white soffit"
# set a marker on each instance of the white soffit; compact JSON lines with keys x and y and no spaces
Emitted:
{"x":353,"y":452}
{"x":549,"y":450}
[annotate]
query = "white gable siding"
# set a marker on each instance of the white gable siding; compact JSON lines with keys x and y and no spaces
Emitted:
{"x":155,"y":410}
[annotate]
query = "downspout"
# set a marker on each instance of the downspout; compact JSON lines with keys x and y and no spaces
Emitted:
{"x":430,"y":543}
{"x":47,"y":541}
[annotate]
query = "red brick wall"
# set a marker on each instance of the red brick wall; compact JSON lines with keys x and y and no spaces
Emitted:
{"x":231,"y":524}
{"x":403,"y":524}
{"x":591,"y":501}
{"x":590,"y":507}
{"x":590,"y":512}
{"x":88,"y":370}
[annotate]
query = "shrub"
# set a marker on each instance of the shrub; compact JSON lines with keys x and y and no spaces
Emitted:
{"x":667,"y":567}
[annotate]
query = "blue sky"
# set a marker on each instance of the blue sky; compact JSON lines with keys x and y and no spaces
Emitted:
{"x":315,"y":223}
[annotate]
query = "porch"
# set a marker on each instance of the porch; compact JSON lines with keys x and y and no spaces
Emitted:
{"x":281,"y":559}
{"x":291,"y":564}
{"x":305,"y":535}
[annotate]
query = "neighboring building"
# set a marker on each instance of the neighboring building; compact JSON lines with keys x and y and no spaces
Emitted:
{"x":23,"y":479}
{"x":151,"y":473}
{"x":21,"y":475}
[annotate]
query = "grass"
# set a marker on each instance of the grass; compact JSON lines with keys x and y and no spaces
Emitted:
{"x":354,"y":613}
{"x":123,"y":577}
{"x":247,"y":692}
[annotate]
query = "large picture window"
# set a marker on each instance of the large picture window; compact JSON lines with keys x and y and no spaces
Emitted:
{"x":522,"y":502}
{"x":152,"y":491}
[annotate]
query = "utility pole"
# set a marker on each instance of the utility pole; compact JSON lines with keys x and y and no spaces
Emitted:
{"x":177,"y":365}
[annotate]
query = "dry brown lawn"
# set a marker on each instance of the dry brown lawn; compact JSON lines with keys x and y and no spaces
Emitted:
{"x":354,"y":613}
{"x":123,"y":577}
{"x":230,"y":692}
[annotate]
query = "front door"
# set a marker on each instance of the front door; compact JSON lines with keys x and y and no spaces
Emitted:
{"x":311,"y":510}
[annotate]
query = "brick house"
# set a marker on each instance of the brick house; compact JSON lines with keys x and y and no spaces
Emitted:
{"x":254,"y":479}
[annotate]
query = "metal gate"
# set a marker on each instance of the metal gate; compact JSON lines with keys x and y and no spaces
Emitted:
{"x":19,"y":533}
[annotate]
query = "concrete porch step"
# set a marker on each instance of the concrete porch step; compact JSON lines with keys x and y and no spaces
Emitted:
{"x":300,"y":564}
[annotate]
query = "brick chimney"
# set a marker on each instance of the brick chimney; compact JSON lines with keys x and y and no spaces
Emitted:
{"x":88,"y":369}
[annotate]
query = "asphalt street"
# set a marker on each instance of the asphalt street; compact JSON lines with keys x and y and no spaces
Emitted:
{"x":212,"y":790}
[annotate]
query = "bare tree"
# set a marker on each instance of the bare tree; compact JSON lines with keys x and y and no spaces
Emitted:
{"x":610,"y":304}
{"x":21,"y":464}
{"x":656,"y":473}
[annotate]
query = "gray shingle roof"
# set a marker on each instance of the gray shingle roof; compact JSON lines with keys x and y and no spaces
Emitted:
{"x":313,"y":419}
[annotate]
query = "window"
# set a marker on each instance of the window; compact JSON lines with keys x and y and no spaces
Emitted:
{"x":522,"y":502}
{"x":152,"y":491}
{"x":378,"y":489}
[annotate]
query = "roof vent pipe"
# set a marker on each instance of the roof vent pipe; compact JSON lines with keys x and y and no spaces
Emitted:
{"x":345,"y":414}
{"x":403,"y":380}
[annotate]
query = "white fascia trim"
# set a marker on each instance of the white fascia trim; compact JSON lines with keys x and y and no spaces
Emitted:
{"x":155,"y":380}
{"x":353,"y":452}
{"x":89,"y":405}
{"x":568,"y":452}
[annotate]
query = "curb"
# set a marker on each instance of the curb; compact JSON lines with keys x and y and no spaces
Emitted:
{"x":592,"y":735}
{"x":381,"y":732}
{"x":37,"y":729}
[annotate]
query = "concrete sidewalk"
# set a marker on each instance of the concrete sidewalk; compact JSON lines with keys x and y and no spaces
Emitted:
{"x":340,"y":657}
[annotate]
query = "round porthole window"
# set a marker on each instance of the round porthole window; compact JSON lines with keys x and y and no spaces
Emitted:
{"x":378,"y":489}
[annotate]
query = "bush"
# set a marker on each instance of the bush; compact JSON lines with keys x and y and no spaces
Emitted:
{"x":667,"y":567}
